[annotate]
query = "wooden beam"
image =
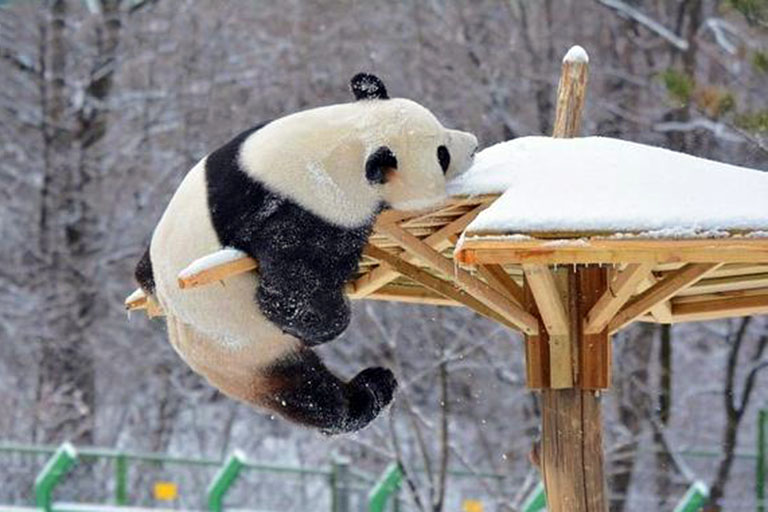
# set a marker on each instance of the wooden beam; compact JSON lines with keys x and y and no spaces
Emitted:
{"x":739,"y":269}
{"x":537,"y":366}
{"x":594,"y":349}
{"x":492,"y":298}
{"x":618,"y":293}
{"x":411,"y":295}
{"x":661,"y":291}
{"x":439,"y":240}
{"x":689,"y":299}
{"x":444,"y":288}
{"x":451,"y":203}
{"x":720,"y":308}
{"x":136,"y":300}
{"x":216,"y":273}
{"x":572,"y":450}
{"x":140,"y":301}
{"x":548,"y":298}
{"x":661,"y":312}
{"x":496,"y":276}
{"x":727,"y":284}
{"x":552,"y":310}
{"x":571,"y":95}
{"x":477,"y":250}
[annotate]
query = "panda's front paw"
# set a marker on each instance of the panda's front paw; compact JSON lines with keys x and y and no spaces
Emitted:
{"x":319,"y":325}
{"x":314,"y":320}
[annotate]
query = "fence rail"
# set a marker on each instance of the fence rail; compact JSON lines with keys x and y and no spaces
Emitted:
{"x":97,"y":479}
{"x":100,"y":479}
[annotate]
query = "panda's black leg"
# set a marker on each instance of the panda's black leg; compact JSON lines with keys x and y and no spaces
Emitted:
{"x":306,"y":392}
{"x":301,"y":300}
{"x":143,"y":273}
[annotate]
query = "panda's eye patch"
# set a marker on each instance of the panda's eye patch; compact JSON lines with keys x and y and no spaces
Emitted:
{"x":444,"y":157}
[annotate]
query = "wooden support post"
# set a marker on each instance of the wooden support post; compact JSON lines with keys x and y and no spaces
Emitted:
{"x":549,"y":291}
{"x":571,"y":451}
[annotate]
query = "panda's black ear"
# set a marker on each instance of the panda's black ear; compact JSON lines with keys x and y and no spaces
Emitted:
{"x":368,"y":87}
{"x":379,"y":165}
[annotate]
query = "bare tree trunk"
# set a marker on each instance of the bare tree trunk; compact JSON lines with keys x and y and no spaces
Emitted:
{"x":445,"y":449}
{"x":633,"y":400}
{"x":689,"y":19}
{"x":540,"y":62}
{"x":735,"y":407}
{"x":68,"y":227}
{"x":663,"y":460}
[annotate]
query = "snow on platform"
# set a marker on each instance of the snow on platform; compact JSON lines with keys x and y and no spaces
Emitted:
{"x":598,"y":185}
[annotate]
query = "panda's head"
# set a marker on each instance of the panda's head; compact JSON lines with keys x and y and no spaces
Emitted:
{"x":410,"y":156}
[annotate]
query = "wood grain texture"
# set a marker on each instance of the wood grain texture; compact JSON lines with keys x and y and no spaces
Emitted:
{"x":439,"y":240}
{"x":662,"y":291}
{"x":218,"y":272}
{"x":594,"y":348}
{"x":496,"y":276}
{"x":477,"y":250}
{"x":551,"y":293}
{"x":553,"y":312}
{"x":492,"y":298}
{"x":439,"y":286}
{"x":725,"y":307}
{"x":572,"y":451}
{"x":662,"y":311}
{"x":536,"y":347}
{"x":619,"y":291}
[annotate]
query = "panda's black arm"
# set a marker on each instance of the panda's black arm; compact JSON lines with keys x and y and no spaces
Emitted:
{"x":304,"y":263}
{"x":144,"y":274}
{"x":301,"y":297}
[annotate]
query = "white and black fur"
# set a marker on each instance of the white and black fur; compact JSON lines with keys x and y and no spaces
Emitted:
{"x":300,"y":195}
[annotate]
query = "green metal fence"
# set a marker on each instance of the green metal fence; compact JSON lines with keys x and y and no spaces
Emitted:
{"x":116,"y":478}
{"x":70,"y":478}
{"x":74,"y":479}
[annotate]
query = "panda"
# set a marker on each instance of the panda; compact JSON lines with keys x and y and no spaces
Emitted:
{"x":300,"y":195}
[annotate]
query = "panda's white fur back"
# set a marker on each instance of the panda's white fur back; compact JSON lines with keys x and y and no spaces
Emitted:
{"x":316,"y":157}
{"x":224,"y":313}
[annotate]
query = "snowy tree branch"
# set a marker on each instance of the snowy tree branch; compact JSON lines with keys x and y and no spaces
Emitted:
{"x":719,"y":130}
{"x":626,"y":11}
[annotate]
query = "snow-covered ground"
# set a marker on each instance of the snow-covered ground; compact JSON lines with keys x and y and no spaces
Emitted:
{"x":601,"y":184}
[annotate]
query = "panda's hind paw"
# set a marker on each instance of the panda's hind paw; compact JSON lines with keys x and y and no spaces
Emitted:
{"x":368,"y":393}
{"x":380,"y":382}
